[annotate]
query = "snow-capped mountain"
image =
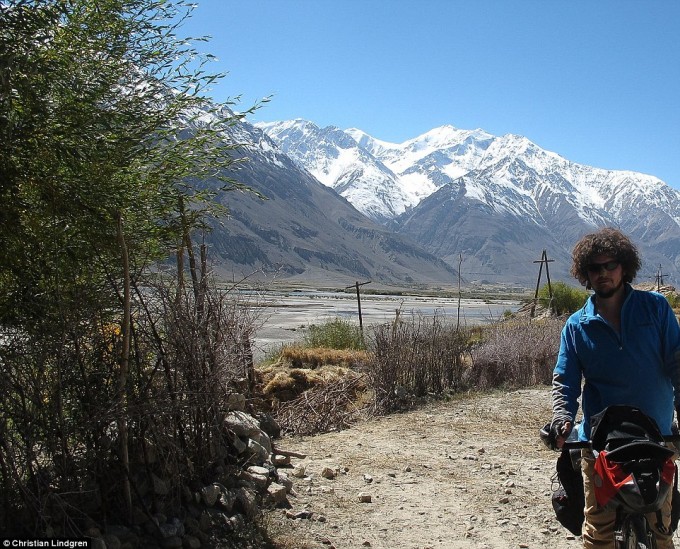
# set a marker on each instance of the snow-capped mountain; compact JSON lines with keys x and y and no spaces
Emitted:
{"x":547,"y":200}
{"x":336,"y":160}
{"x":304,"y":230}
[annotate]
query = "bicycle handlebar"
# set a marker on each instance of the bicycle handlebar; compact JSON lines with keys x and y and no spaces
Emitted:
{"x":576,"y":444}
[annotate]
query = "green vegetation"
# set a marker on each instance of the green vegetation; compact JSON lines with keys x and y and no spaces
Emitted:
{"x":673,"y":299}
{"x":103,"y":135}
{"x":565,"y":299}
{"x":335,"y":334}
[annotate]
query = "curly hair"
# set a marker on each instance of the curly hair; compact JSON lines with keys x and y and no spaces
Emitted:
{"x":606,"y":241}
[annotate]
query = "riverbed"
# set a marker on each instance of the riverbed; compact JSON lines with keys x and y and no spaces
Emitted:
{"x":283,"y":316}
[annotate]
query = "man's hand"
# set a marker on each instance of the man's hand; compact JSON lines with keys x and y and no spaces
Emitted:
{"x":559,"y":431}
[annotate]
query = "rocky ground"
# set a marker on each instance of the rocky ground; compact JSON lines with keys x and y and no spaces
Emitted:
{"x":467,"y":473}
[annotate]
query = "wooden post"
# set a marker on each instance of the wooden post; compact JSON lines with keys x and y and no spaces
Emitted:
{"x":460,"y":262}
{"x":361,"y":321}
{"x":547,"y":275}
{"x":544,"y":259}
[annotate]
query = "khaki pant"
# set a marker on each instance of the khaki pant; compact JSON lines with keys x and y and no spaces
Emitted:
{"x":598,"y":528}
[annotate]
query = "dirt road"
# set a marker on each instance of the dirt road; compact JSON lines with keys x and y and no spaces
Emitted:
{"x":468,"y":473}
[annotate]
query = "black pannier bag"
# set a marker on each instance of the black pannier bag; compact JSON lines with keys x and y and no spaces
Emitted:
{"x":631,"y":447}
{"x":568,"y":500}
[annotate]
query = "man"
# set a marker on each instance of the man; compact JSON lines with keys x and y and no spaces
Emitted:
{"x":625,"y":345}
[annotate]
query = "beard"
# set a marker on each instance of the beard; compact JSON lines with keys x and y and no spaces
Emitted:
{"x":608,"y":292}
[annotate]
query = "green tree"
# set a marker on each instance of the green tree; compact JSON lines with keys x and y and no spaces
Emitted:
{"x":105,"y":124}
{"x":565,"y":298}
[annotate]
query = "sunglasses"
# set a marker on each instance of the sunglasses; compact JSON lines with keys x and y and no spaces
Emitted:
{"x":607,"y":266}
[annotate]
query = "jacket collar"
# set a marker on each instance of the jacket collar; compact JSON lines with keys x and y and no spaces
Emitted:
{"x":588,"y":312}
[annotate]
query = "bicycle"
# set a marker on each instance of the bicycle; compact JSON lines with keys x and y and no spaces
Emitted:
{"x":636,"y":470}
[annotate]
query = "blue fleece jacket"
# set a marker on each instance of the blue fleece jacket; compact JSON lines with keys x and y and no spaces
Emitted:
{"x":640,"y":366}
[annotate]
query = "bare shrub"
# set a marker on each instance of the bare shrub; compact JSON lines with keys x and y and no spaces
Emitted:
{"x":331,"y":405}
{"x":202,"y":355}
{"x":60,"y":464}
{"x":515,"y":354}
{"x":412,"y":359}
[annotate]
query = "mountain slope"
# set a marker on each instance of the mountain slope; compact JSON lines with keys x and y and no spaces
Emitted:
{"x":335,"y":159}
{"x":305,"y":230}
{"x":510,"y":186}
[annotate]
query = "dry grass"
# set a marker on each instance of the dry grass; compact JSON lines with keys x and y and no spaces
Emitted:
{"x":315,"y":357}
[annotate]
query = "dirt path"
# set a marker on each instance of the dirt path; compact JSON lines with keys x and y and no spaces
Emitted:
{"x":469,"y":473}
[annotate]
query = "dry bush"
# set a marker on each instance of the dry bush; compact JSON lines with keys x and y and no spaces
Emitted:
{"x":61,"y":407}
{"x":515,"y":354}
{"x":415,"y":358}
{"x":331,"y":405}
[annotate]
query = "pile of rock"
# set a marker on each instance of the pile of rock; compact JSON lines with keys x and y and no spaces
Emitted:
{"x":222,"y":510}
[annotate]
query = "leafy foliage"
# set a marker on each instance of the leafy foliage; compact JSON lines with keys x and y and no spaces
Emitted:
{"x":565,"y":299}
{"x":337,"y":333}
{"x":673,"y":299}
{"x":105,"y":130}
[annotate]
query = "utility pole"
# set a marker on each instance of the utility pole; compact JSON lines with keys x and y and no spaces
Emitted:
{"x":460,"y":262}
{"x":659,"y":279}
{"x":544,"y":259}
{"x":361,"y":322}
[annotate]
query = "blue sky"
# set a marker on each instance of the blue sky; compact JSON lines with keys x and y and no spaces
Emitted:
{"x":595,"y":81}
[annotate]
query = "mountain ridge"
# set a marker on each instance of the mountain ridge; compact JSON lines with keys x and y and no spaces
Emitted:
{"x":304,"y":231}
{"x":509,"y":177}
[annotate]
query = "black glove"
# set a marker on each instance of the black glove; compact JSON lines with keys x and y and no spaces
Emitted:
{"x":551,"y":431}
{"x":557,"y":429}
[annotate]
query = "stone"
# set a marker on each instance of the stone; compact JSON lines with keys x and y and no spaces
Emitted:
{"x":299,"y":471}
{"x":247,"y":500}
{"x":305,"y":514}
{"x":191,"y":542}
{"x":284,"y":479}
{"x":365,"y":497}
{"x":258,"y":481}
{"x":276,"y":493}
{"x":241,"y":424}
{"x":236,"y":402}
{"x":121,"y":532}
{"x":226,"y":500}
{"x":269,"y":425}
{"x":239,"y":445}
{"x":257,"y":470}
{"x":328,"y":473}
{"x":168,"y":530}
{"x":112,"y":542}
{"x":210,"y":493}
{"x":280,"y":461}
{"x":259,"y":452}
{"x":263,"y":440}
